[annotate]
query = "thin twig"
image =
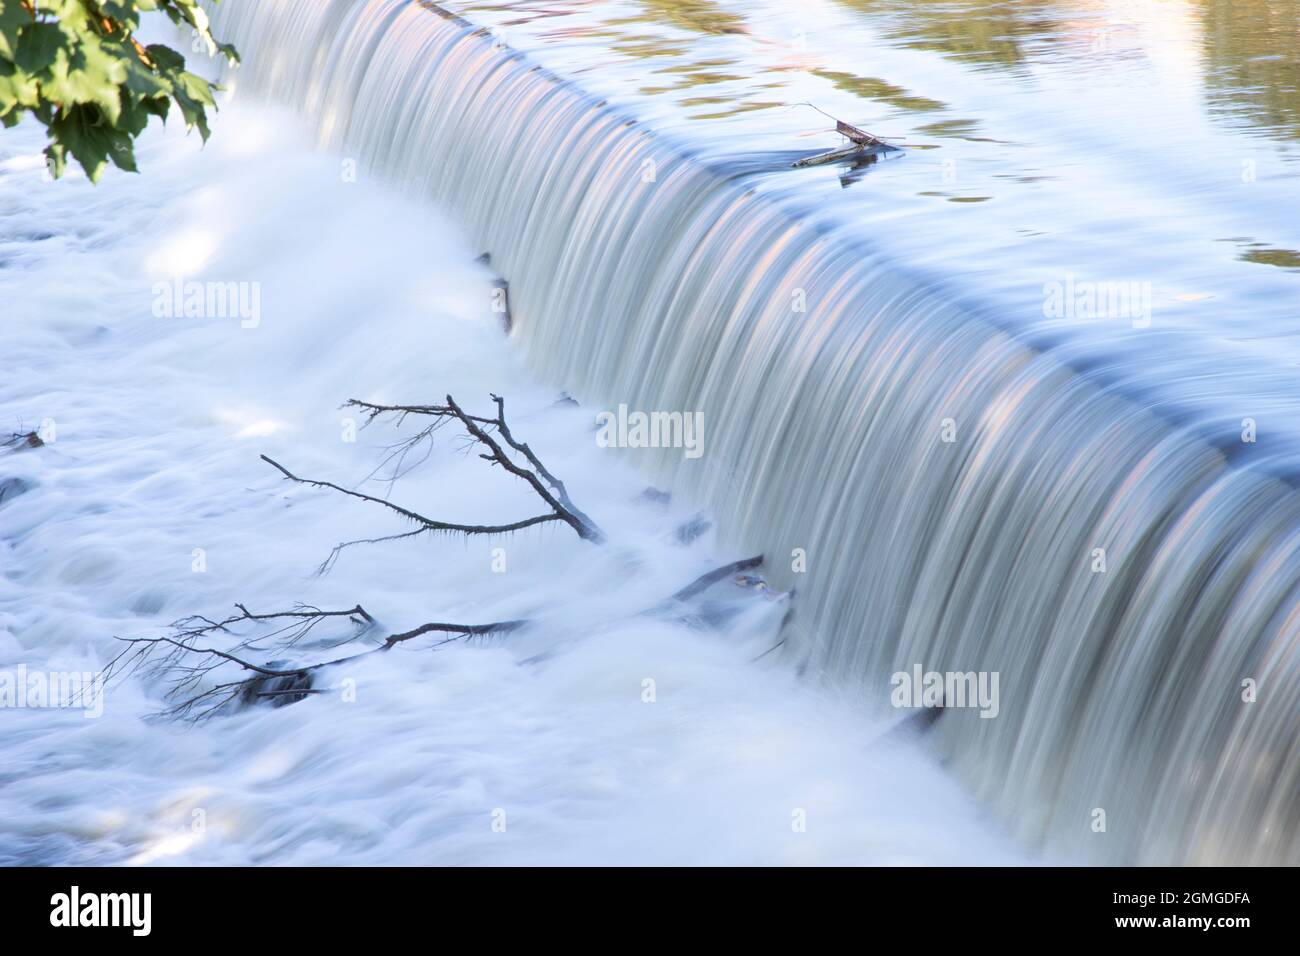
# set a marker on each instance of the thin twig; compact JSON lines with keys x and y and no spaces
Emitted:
{"x":184,"y":665}
{"x":428,"y":524}
{"x":547,"y":486}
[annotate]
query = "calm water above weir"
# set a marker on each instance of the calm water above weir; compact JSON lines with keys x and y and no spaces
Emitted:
{"x":1145,"y":153}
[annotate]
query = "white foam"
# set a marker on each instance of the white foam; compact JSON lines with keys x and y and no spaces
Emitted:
{"x":159,"y":424}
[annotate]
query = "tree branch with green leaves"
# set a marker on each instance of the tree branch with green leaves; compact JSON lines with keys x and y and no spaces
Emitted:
{"x":79,"y":69}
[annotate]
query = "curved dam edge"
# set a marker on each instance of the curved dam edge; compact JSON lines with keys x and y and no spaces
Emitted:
{"x":826,"y":433}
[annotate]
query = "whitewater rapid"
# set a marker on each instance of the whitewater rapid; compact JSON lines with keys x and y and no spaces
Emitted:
{"x":157,"y":425}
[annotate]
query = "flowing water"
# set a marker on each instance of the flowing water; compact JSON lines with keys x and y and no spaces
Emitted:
{"x":147,"y":502}
{"x":1022,"y":394}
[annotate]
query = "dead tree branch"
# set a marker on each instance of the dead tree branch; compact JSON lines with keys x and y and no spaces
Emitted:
{"x":571,"y":516}
{"x":547,"y":486}
{"x":860,"y":142}
{"x":209,"y":664}
{"x":19,"y":441}
{"x":426,"y":524}
{"x":185,"y":666}
{"x":705,"y":581}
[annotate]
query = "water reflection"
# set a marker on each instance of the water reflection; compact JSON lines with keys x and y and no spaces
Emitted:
{"x":1265,"y":255}
{"x":1252,"y":63}
{"x":699,"y":16}
{"x":1003,"y":34}
{"x":868,"y":87}
{"x":1243,"y":55}
{"x":1251,"y":48}
{"x":858,"y":167}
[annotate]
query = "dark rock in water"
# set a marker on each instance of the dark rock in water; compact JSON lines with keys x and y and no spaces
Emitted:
{"x":280,"y":691}
{"x":484,"y":259}
{"x":692,"y":529}
{"x":13,"y":487}
{"x":566,"y":399}
{"x":914,"y":725}
{"x":655,"y":496}
{"x":148,"y":604}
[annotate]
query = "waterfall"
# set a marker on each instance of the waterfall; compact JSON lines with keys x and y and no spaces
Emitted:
{"x":642,"y":274}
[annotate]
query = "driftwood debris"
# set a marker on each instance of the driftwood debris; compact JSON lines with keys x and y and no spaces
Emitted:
{"x":861,"y":137}
{"x":480,"y":428}
{"x":253,"y":665}
{"x":178,"y":659}
{"x":860,"y":142}
{"x":483,"y":430}
{"x":19,"y":441}
{"x":705,"y":581}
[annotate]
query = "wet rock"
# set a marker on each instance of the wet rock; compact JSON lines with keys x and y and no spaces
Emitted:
{"x":11,"y":488}
{"x":655,"y":497}
{"x":688,"y":532}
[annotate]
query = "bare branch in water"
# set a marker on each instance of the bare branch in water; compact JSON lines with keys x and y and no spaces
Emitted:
{"x":713,"y":577}
{"x":20,"y":440}
{"x":185,"y":666}
{"x":203,"y":679}
{"x":480,"y":428}
{"x":427,"y":523}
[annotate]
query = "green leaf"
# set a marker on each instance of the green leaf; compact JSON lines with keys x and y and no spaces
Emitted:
{"x":12,"y":17}
{"x":76,"y":68}
{"x":39,"y":45}
{"x":157,"y":107}
{"x":126,"y":12}
{"x":197,"y":88}
{"x":93,"y":75}
{"x":16,"y":88}
{"x":85,"y":134}
{"x":144,"y":82}
{"x":165,"y":58}
{"x":123,"y":152}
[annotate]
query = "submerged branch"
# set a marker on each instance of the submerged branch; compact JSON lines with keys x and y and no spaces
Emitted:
{"x":480,"y":428}
{"x":705,"y":581}
{"x":184,"y":665}
{"x":188,"y":661}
